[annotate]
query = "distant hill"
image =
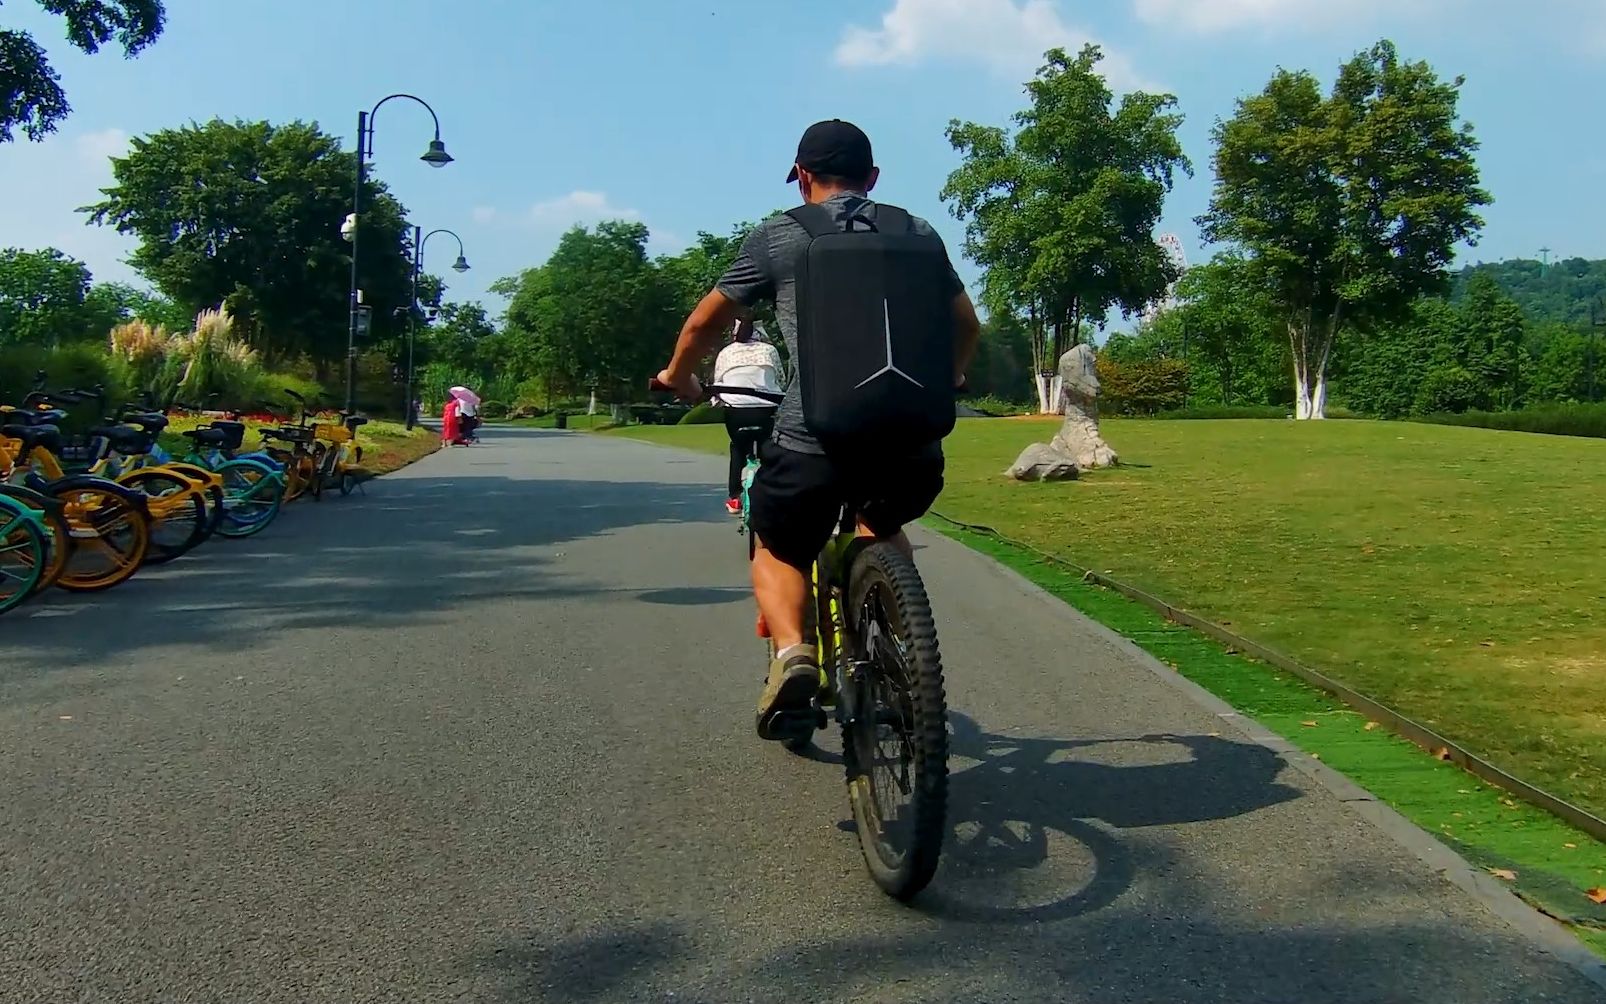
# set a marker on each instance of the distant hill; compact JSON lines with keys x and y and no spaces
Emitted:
{"x":1562,"y":292}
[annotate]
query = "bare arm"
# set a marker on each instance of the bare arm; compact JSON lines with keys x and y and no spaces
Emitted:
{"x":967,"y":335}
{"x":702,"y":331}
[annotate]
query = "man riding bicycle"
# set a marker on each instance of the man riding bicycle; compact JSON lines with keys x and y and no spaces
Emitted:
{"x":802,"y":481}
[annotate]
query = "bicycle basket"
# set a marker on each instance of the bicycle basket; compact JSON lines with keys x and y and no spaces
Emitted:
{"x":295,"y":434}
{"x":332,"y":433}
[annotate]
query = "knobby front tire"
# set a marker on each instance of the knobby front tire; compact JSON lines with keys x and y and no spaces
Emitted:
{"x":895,"y":735}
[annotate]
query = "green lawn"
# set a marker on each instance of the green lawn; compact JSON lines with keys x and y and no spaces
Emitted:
{"x":1455,"y":574}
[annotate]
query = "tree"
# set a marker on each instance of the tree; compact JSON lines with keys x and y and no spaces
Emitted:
{"x":1347,"y":207}
{"x":1062,"y":215}
{"x":1563,"y":365}
{"x":1492,"y":342}
{"x":1228,"y":334}
{"x":598,"y":315}
{"x":689,"y":275}
{"x":247,"y":214}
{"x":30,"y":88}
{"x":458,"y":338}
{"x":42,"y":296}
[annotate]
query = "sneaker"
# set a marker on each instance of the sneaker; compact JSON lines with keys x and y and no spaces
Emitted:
{"x":792,"y":686}
{"x":733,"y":506}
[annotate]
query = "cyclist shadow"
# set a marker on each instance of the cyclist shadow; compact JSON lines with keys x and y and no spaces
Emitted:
{"x":1035,"y":823}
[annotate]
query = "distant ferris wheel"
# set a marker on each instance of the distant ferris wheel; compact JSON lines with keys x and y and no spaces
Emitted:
{"x":1171,"y":244}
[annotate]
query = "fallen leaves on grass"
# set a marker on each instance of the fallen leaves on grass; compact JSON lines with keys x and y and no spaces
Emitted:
{"x":1504,"y":873}
{"x":1596,"y":896}
{"x":1442,"y":753}
{"x":1370,"y":726}
{"x":1308,"y":725}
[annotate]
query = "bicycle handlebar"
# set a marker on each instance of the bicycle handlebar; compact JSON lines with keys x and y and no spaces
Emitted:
{"x":711,"y":390}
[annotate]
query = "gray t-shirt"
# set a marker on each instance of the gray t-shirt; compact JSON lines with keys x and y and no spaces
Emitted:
{"x":766,"y":269}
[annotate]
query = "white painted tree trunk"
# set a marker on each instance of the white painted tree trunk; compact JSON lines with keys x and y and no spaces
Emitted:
{"x":1311,"y":350}
{"x":1045,"y":399}
{"x":1056,"y":395}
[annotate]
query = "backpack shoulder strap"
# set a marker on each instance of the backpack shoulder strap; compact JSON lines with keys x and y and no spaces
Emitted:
{"x":892,"y":220}
{"x":817,"y":220}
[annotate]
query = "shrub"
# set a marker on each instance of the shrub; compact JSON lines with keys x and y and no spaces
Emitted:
{"x":703,"y":414}
{"x":1142,"y":386}
{"x":995,"y":406}
{"x":66,"y":366}
{"x":1218,"y":411}
{"x":490,"y":409}
{"x":1586,"y":420}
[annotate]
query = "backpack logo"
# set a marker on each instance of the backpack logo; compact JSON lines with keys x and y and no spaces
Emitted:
{"x":890,"y":367}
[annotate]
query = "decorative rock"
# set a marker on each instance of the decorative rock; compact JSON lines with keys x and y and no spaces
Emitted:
{"x":1079,"y":437}
{"x":1042,"y":462}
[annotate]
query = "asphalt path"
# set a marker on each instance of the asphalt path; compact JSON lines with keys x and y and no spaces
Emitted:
{"x":485,"y":734}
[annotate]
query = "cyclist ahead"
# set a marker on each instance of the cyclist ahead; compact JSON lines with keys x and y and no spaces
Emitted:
{"x":881,"y":331}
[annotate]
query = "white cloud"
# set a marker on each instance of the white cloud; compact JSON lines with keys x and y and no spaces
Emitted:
{"x":579,"y":207}
{"x":1007,"y":36}
{"x":1223,"y":15}
{"x":482,"y":214}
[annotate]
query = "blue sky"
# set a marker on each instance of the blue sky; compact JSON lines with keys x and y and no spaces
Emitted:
{"x":685,"y":113}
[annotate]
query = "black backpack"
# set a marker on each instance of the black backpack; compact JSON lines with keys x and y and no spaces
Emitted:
{"x":875,"y":332}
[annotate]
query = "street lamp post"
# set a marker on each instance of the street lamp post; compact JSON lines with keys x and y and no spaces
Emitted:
{"x":435,"y":156}
{"x":460,"y":265}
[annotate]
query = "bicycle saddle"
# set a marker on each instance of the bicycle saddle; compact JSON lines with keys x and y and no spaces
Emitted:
{"x":208,"y":436}
{"x":152,"y":422}
{"x":125,"y":440}
{"x":28,"y":416}
{"x":35,"y":436}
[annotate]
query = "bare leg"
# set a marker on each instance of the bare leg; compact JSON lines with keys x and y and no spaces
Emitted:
{"x":783,"y":597}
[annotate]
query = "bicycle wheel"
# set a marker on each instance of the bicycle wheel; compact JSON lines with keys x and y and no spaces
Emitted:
{"x":23,"y":553}
{"x":57,"y":538}
{"x":212,"y":499}
{"x":895,"y":728}
{"x":253,"y":493}
{"x":315,"y":478}
{"x":179,"y":519}
{"x":108,"y":530}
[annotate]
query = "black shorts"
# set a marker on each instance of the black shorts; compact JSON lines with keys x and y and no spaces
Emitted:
{"x":796,"y":498}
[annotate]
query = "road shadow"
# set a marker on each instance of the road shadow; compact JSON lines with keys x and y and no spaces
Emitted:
{"x":1036,"y":823}
{"x":1117,"y":959}
{"x":419,"y":544}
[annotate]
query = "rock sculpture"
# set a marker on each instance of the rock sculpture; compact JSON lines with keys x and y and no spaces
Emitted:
{"x":1077,"y":446}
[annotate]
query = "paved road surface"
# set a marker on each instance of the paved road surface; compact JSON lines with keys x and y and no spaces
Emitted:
{"x":485,"y":735}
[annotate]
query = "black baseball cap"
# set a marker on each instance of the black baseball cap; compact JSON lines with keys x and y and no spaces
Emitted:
{"x":835,"y":148}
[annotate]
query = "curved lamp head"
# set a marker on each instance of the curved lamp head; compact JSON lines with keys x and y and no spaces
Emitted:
{"x":460,"y":265}
{"x":436,"y":156}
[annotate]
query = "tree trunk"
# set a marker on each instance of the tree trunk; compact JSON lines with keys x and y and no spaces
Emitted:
{"x":1041,"y":373}
{"x":1311,"y":349}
